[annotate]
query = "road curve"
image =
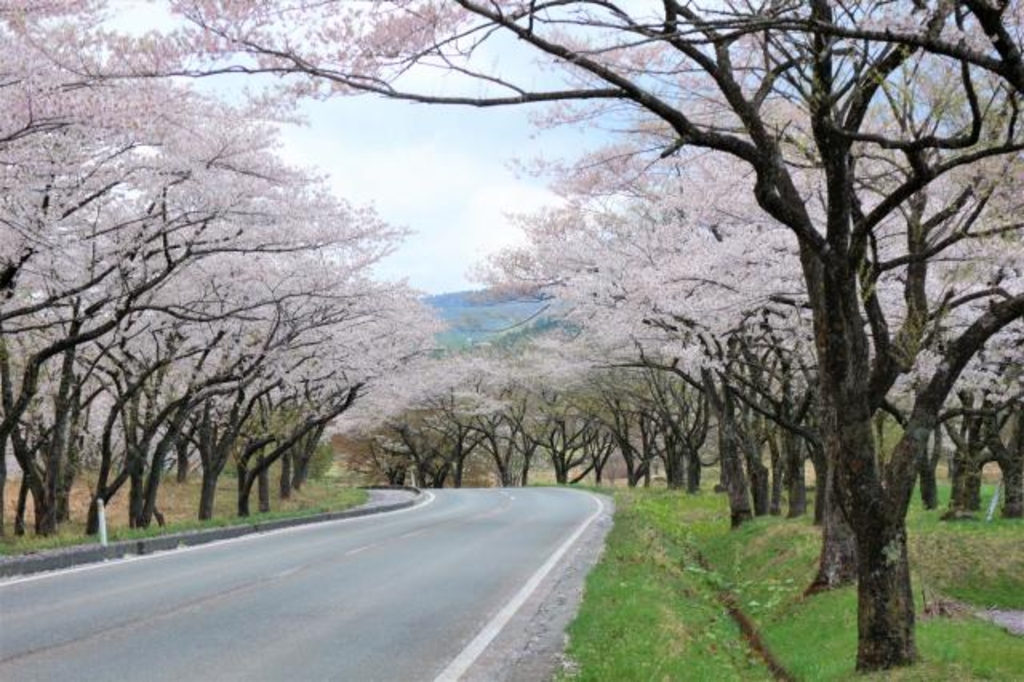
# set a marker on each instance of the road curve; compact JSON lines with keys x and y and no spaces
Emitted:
{"x":399,"y":596}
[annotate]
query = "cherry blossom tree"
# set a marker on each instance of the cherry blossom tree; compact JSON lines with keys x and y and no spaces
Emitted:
{"x":811,"y":101}
{"x":630,"y":284}
{"x":168,"y":282}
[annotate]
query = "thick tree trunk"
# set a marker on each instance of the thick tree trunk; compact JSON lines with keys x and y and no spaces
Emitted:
{"x":285,"y":483}
{"x":45,"y":514}
{"x":396,"y":477}
{"x":46,"y":493}
{"x":63,"y":500}
{"x":63,"y":505}
{"x":929,"y":485}
{"x":3,"y":486}
{"x":758,"y":476}
{"x":734,"y":480}
{"x":20,"y":508}
{"x":757,"y":472}
{"x":1011,"y":463}
{"x":885,"y":605}
{"x":966,"y":494}
{"x":303,"y":456}
{"x":156,"y":471}
{"x":1009,"y":455}
{"x":1013,"y":484}
{"x":732,"y":476}
{"x":263,"y":488}
{"x":693,"y":472}
{"x":504,"y":475}
{"x":207,"y":493}
{"x":48,"y":504}
{"x":457,"y":473}
{"x":972,"y":489}
{"x":439,"y":479}
{"x":967,"y":464}
{"x":136,"y":498}
{"x":300,"y":472}
{"x":778,"y":469}
{"x":926,"y":473}
{"x":181,"y":452}
{"x":885,"y":602}
{"x":837,"y":563}
{"x":675,"y":467}
{"x":796,"y":484}
{"x":244,"y":491}
{"x":92,"y":522}
{"x":72,"y":455}
{"x":873,"y":496}
{"x":885,"y":614}
{"x":629,"y":459}
{"x":820,"y":466}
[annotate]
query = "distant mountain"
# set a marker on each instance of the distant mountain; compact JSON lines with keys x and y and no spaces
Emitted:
{"x":477,"y":317}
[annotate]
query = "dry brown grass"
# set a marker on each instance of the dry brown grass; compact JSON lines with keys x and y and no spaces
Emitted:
{"x":178,"y":502}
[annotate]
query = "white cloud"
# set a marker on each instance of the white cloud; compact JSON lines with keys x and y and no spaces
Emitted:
{"x":441,"y":172}
{"x":488,"y":211}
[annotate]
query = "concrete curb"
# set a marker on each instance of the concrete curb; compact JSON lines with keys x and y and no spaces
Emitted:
{"x":67,"y":557}
{"x":406,"y":488}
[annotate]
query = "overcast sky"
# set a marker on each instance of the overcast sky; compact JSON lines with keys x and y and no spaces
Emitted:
{"x":443,"y":172}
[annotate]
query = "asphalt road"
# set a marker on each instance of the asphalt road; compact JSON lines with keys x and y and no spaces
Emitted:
{"x":408,"y":595}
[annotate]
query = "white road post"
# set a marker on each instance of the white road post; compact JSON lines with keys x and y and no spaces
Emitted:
{"x":103,"y":522}
{"x":994,"y":503}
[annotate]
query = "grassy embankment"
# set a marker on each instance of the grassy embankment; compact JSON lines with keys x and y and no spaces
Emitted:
{"x":652,"y":611}
{"x":180,"y":503}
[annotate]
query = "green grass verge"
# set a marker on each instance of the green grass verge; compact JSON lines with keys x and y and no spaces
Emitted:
{"x":631,"y":625}
{"x":979,"y":562}
{"x":650,"y":612}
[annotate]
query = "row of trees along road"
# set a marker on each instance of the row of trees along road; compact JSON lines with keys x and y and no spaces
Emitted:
{"x":648,"y":409}
{"x":498,"y":415}
{"x":820,"y":201}
{"x":171,"y":290}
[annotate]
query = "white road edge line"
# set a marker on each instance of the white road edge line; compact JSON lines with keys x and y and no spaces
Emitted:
{"x":461,"y":663}
{"x":129,"y":559}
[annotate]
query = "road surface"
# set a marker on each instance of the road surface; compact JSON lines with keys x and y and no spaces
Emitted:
{"x":409,"y":595}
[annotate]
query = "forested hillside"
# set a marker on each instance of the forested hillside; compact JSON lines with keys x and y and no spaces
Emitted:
{"x":476,"y":317}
